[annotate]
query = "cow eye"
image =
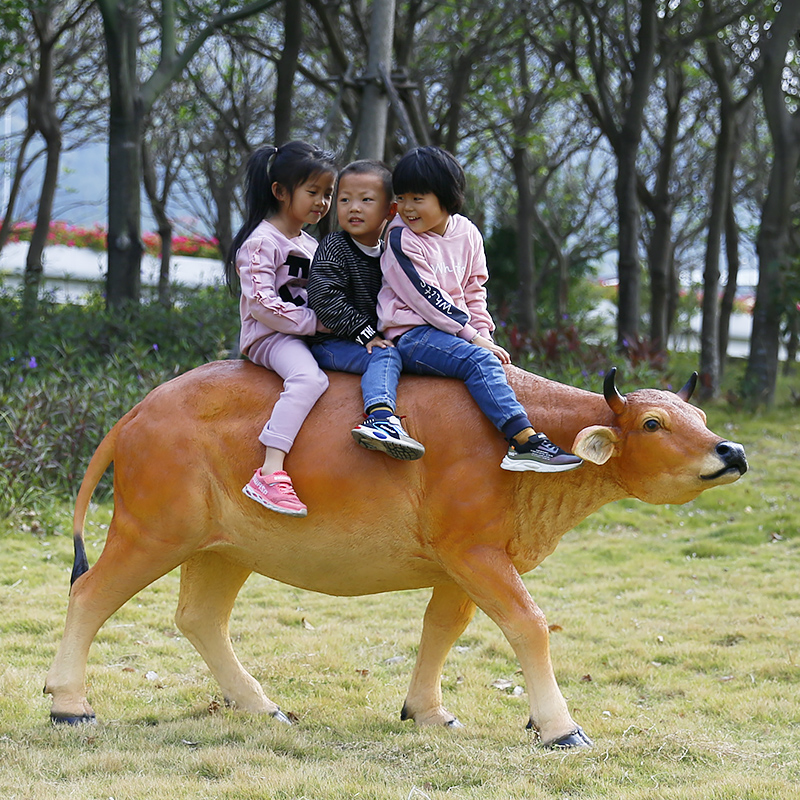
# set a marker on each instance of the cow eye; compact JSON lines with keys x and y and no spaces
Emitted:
{"x":652,"y":425}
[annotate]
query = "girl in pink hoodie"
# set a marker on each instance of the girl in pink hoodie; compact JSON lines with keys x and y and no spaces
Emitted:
{"x":287,"y":187}
{"x":432,"y":303}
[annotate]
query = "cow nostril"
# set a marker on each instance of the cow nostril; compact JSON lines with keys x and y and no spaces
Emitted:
{"x":732,"y":454}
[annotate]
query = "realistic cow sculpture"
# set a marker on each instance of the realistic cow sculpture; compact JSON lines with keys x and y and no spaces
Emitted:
{"x":453,"y":520}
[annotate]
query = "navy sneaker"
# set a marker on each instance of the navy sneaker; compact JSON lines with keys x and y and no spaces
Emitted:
{"x":539,"y":454}
{"x":385,"y":432}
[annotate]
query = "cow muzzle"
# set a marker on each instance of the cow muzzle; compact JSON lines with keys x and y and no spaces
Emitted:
{"x":733,"y":458}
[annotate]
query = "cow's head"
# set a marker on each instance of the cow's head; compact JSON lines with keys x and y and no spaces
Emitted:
{"x":664,"y":452}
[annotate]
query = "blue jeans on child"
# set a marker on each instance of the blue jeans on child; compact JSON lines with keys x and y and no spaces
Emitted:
{"x":379,"y":370}
{"x":428,"y":351}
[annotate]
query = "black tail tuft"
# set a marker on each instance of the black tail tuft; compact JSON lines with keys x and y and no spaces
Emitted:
{"x":81,"y":563}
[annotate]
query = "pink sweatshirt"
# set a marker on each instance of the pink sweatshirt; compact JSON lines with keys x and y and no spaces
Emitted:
{"x":435,"y":280}
{"x":273,"y":271}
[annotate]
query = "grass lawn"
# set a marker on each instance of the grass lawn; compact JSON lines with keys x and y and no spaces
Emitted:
{"x":675,"y":641}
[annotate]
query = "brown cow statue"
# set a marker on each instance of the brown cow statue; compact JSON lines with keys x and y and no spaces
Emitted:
{"x":453,"y":520}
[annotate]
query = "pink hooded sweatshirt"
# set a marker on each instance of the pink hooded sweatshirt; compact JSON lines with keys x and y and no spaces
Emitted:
{"x":434,"y":280}
{"x":273,"y":271}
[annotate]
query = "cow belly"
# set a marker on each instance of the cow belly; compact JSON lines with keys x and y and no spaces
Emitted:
{"x":335,"y":567}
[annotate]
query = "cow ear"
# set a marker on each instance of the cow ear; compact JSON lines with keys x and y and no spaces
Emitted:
{"x":595,"y":444}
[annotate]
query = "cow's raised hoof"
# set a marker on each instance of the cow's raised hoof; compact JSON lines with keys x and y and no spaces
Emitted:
{"x":73,"y":719}
{"x":281,"y":717}
{"x":576,"y":738}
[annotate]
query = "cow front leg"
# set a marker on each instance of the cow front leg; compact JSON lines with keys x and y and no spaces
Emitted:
{"x":448,"y":614}
{"x":490,"y":579}
{"x":210,"y":584}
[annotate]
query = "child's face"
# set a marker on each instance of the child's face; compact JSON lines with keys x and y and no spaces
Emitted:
{"x":310,"y":201}
{"x":422,"y":212}
{"x":362,"y":206}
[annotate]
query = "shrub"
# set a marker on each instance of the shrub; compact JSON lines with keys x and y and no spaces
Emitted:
{"x":69,"y":376}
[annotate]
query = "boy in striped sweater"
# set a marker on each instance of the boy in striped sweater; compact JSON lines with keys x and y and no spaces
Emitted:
{"x":343,"y":292}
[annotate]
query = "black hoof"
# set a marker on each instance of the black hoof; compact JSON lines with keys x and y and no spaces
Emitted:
{"x":69,"y":719}
{"x":281,"y":717}
{"x":576,"y":738}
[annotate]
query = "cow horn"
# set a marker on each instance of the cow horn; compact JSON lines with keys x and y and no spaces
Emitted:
{"x":615,"y":400}
{"x":686,"y":392}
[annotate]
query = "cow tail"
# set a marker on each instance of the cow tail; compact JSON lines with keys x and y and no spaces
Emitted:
{"x":98,"y":464}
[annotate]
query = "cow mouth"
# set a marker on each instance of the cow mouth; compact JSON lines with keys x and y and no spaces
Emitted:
{"x":738,"y":468}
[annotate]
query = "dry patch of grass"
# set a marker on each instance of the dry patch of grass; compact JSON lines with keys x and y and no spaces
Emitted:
{"x":676,"y":646}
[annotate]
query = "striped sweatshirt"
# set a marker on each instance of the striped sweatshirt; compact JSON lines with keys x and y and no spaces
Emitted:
{"x":343,"y":289}
{"x":435,"y":280}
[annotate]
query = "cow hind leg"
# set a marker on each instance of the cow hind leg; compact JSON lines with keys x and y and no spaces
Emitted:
{"x":124,"y":568}
{"x":447,"y":616}
{"x":209,"y":586}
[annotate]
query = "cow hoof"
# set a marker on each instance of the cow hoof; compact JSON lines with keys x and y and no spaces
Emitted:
{"x":281,"y":717}
{"x":454,"y":723}
{"x":576,"y":738}
{"x":73,"y":719}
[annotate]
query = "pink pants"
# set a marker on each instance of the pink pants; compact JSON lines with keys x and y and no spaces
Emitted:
{"x":303,"y":384}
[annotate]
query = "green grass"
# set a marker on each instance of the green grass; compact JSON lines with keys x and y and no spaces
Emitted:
{"x":676,"y":647}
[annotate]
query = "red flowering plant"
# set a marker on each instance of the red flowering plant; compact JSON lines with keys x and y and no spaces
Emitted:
{"x":94,"y":238}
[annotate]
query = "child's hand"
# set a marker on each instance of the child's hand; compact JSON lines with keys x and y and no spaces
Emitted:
{"x":377,"y":341}
{"x":322,"y":329}
{"x":489,"y":345}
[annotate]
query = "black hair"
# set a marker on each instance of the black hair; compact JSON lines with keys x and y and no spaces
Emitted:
{"x":289,"y":165}
{"x":370,"y":166}
{"x":431,"y":169}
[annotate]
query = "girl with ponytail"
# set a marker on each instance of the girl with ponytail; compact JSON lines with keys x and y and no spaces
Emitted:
{"x":288,"y":187}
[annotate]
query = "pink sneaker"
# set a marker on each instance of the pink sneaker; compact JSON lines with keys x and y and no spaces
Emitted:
{"x":276,"y":493}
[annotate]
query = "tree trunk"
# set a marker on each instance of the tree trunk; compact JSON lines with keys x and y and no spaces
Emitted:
{"x":673,"y":293}
{"x":123,"y":281}
{"x":660,"y":253}
{"x":528,"y":318}
{"x":660,"y":263}
{"x":287,"y":66}
{"x":375,"y":100}
{"x":42,"y":113}
{"x":158,"y":206}
{"x":459,"y":86}
{"x":628,"y":248}
{"x":762,"y":365}
{"x":32,"y":279}
{"x":165,"y":234}
{"x":729,"y":295}
{"x":792,"y":342}
{"x":626,"y":146}
{"x":711,"y":355}
{"x":223,"y":228}
{"x":20,"y":169}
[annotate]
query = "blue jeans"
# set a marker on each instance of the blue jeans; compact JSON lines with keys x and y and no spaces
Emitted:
{"x":429,"y":351}
{"x":379,"y":370}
